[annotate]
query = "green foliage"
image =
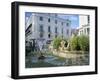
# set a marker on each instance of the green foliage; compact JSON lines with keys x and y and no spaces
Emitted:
{"x":79,"y":43}
{"x":84,"y":42}
{"x":57,"y":43}
{"x":74,"y":43}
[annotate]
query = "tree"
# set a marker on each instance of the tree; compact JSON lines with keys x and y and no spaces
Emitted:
{"x":57,"y":43}
{"x":74,"y":43}
{"x":84,"y":42}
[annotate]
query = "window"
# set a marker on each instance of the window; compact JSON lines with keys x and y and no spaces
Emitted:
{"x":67,"y":24}
{"x":41,"y":28}
{"x":48,"y":19}
{"x":41,"y":18}
{"x":88,"y":31}
{"x":49,"y":29}
{"x":88,"y":19}
{"x":55,"y":29}
{"x":67,"y":32}
{"x":49,"y":35}
{"x":56,"y":32}
{"x":62,"y":31}
{"x":41,"y":35}
{"x":41,"y":31}
{"x":62,"y":23}
{"x":55,"y":21}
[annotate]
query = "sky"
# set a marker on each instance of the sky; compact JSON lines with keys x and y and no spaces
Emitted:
{"x":73,"y":18}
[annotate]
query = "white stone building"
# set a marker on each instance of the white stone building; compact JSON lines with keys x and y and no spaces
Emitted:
{"x":44,"y":27}
{"x":84,"y":25}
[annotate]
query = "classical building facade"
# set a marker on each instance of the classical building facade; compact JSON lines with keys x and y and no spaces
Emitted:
{"x":44,"y":27}
{"x":84,"y":25}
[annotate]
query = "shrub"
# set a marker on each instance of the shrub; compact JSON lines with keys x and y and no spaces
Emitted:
{"x":84,"y":42}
